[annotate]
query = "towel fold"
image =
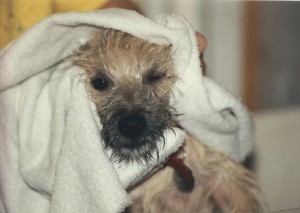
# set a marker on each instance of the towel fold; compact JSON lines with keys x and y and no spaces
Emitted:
{"x":51,"y":153}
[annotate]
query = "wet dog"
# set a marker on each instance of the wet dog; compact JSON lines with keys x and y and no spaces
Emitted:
{"x":131,"y":81}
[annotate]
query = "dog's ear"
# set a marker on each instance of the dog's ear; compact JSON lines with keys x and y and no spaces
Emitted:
{"x":92,"y":42}
{"x":81,"y":55}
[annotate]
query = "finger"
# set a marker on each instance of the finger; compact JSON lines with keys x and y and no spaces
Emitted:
{"x":202,"y":43}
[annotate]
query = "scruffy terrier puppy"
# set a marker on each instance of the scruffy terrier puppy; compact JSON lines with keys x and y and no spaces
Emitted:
{"x":130,"y":80}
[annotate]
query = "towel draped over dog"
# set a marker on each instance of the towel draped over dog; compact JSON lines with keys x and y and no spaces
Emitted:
{"x":51,"y":154}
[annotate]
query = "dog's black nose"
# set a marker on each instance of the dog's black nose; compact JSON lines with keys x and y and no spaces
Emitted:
{"x":132,"y":125}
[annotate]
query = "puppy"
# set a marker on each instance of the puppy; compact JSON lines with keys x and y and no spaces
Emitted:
{"x":131,"y":80}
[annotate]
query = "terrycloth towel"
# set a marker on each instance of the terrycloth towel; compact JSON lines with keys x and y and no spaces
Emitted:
{"x":51,"y":153}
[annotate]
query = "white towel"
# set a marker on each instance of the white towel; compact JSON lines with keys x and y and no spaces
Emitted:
{"x":51,"y":154}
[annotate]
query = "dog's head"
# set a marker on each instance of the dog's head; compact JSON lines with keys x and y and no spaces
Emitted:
{"x":130,"y":80}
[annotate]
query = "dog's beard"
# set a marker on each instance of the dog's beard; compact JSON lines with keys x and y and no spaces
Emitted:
{"x":140,"y":149}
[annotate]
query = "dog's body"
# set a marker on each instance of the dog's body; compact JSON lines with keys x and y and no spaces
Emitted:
{"x":131,"y":80}
{"x":221,"y":185}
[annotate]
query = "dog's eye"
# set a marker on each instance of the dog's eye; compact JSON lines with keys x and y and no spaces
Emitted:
{"x":100,"y":83}
{"x":152,"y":78}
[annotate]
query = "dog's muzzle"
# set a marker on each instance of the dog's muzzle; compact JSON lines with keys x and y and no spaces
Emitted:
{"x":132,"y":125}
{"x":133,"y":135}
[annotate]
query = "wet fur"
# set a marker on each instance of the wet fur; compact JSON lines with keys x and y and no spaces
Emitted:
{"x":221,"y":185}
{"x":127,"y":62}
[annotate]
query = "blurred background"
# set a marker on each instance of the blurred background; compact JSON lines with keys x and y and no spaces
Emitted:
{"x":253,"y":51}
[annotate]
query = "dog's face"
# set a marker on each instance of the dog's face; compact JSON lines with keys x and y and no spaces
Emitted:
{"x":130,"y":80}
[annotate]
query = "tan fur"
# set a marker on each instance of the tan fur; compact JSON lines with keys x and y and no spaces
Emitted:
{"x":140,"y":76}
{"x":126,"y":62}
{"x":221,"y":185}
